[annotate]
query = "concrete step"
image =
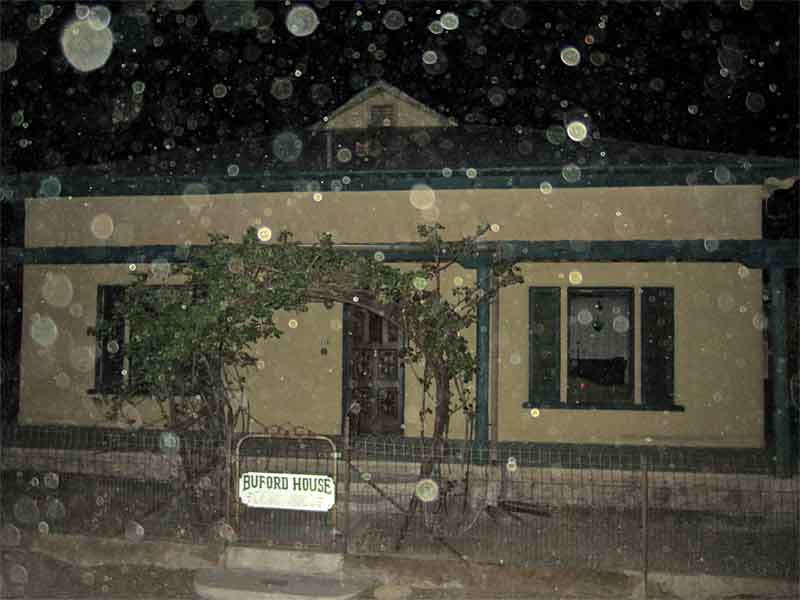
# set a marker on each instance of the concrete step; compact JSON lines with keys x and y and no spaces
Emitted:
{"x":287,"y":561}
{"x":249,"y":584}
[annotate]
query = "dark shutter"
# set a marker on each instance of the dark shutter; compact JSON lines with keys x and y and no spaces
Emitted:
{"x":544,"y":345}
{"x":110,"y":358}
{"x":658,"y":346}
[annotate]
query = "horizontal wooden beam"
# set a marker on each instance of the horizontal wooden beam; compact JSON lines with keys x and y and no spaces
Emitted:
{"x":753,"y":253}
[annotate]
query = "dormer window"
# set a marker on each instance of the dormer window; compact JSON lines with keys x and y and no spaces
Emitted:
{"x":382,"y":115}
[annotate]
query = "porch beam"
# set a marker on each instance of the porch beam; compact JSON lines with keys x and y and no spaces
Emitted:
{"x":781,"y":414}
{"x":752,"y":253}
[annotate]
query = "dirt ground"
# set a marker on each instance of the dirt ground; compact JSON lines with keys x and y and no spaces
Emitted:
{"x":29,"y":574}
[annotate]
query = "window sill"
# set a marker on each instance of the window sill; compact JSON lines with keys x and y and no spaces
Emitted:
{"x":630,"y":407}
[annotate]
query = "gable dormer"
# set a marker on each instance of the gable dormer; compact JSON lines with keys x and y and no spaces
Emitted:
{"x":380,"y":106}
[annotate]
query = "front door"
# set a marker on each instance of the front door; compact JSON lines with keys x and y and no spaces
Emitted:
{"x":373,"y":375}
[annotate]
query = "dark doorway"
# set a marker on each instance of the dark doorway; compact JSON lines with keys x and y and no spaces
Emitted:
{"x":373,"y":374}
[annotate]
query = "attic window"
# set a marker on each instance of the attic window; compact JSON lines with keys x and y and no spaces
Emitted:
{"x":382,"y":115}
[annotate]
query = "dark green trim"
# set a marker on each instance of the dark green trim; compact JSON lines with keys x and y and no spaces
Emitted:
{"x":516,"y":177}
{"x":633,"y":407}
{"x":753,"y":253}
{"x":482,"y":337}
{"x":347,"y":346}
{"x":781,"y":411}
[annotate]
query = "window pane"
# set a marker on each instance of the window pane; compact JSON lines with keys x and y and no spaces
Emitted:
{"x":600,"y":347}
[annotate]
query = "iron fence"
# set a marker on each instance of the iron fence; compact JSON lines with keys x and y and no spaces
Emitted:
{"x":712,"y":511}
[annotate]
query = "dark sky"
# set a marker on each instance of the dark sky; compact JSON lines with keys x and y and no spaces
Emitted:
{"x":719,"y":76}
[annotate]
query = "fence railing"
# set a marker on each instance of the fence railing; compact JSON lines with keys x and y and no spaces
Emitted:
{"x":712,"y":511}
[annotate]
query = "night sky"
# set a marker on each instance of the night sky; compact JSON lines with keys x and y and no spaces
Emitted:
{"x":719,"y":76}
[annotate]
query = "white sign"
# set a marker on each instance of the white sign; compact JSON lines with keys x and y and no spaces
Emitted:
{"x":291,"y":491}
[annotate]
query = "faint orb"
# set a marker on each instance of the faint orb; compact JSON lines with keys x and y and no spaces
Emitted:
{"x":535,"y":413}
{"x":458,"y":281}
{"x":426,"y":490}
{"x":55,"y":509}
{"x":346,"y":180}
{"x":515,"y":358}
{"x":219,"y":90}
{"x":725,"y":302}
{"x":494,"y":227}
{"x":43,"y":330}
{"x":429,"y":57}
{"x":134,"y":531}
{"x":264,"y":233}
{"x":577,"y":131}
{"x":422,"y":196}
{"x":82,"y":358}
{"x":760,"y":321}
{"x":226,"y":15}
{"x":435,"y":27}
{"x":571,"y":173}
{"x":317,"y":196}
{"x":50,"y":187}
{"x":497,"y":96}
{"x":555,"y":134}
{"x":282,"y":88}
{"x":130,"y":416}
{"x":570,"y":56}
{"x":293,"y":323}
{"x":43,"y":528}
{"x":85,"y":47}
{"x":379,"y":256}
{"x":88,"y":578}
{"x":393,"y":20}
{"x":511,"y":464}
{"x":302,"y":20}
{"x":10,"y":535}
{"x":57,"y":289}
{"x":693,"y":109}
{"x":321,"y":93}
{"x":514,"y":17}
{"x":743,"y":271}
{"x":575,"y":277}
{"x":471,"y":173}
{"x":63,"y":380}
{"x":260,"y":364}
{"x":420,"y":283}
{"x":585,"y":316}
{"x":711,"y":245}
{"x":26,"y":511}
{"x":747,"y":4}
{"x":657,"y":84}
{"x":621,"y":324}
{"x":546,"y":187}
{"x":287,"y":146}
{"x":344,"y":155}
{"x":18,"y":574}
{"x":447,"y":172}
{"x":449,"y":21}
{"x":102,"y":226}
{"x":8,"y":55}
{"x":233,"y":170}
{"x":99,"y":17}
{"x":722,"y":174}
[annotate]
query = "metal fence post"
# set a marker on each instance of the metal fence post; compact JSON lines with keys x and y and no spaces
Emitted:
{"x":346,"y":532}
{"x":645,"y":510}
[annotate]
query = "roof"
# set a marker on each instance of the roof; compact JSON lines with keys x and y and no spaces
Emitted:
{"x":382,"y":87}
{"x":446,"y":156}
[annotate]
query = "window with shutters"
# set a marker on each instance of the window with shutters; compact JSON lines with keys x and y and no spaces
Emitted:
{"x":113,"y":368}
{"x":601,"y":353}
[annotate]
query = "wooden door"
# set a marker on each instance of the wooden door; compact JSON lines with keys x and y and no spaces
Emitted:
{"x":373,"y":374}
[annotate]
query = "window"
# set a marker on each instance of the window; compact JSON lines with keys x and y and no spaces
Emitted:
{"x":600,"y":346}
{"x":112,"y":366}
{"x":382,"y":115}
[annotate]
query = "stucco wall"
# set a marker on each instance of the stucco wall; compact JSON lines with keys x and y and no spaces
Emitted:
{"x":719,"y":353}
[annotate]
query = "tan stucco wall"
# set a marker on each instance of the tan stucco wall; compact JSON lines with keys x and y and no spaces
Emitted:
{"x":717,"y":212}
{"x":408,"y":115}
{"x":718,"y":372}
